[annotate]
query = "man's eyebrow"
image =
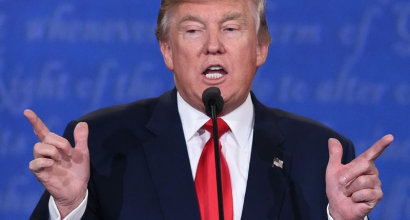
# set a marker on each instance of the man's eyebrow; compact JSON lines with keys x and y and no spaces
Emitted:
{"x":233,"y":16}
{"x":226,"y":17}
{"x":190,"y":17}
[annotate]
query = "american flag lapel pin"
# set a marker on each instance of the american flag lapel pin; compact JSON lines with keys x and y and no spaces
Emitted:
{"x":277,"y":162}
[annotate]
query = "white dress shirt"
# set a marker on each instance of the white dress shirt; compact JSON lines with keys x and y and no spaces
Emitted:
{"x":236,"y":144}
{"x":236,"y":147}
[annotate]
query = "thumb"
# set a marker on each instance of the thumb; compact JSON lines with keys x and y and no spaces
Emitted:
{"x":81,"y":135}
{"x":335,"y":152}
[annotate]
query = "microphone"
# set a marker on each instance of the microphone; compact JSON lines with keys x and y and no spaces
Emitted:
{"x":214,"y":104}
{"x":212,"y":97}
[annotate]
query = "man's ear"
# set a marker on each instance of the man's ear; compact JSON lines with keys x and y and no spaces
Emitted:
{"x":261,"y":53}
{"x":167,"y":54}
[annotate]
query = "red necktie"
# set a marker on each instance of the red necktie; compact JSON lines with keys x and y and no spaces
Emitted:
{"x":205,"y":179}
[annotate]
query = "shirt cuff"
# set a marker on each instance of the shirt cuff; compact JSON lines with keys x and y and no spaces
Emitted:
{"x":76,"y":214}
{"x":330,"y":217}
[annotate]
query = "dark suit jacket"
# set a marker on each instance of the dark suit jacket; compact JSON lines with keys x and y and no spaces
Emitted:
{"x":140,"y":167}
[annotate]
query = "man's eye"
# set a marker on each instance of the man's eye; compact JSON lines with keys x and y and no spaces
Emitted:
{"x":230,"y":29}
{"x":191,"y":31}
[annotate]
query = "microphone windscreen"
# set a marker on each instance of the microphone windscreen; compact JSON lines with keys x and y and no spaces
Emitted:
{"x":212,"y":96}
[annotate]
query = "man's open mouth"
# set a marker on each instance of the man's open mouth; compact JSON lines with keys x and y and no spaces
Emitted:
{"x":214,"y":72}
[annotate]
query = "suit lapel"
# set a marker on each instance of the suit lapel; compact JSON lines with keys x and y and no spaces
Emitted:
{"x":168,"y":161}
{"x":267,"y":184}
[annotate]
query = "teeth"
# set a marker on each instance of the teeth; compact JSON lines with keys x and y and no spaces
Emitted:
{"x":215,"y":68}
{"x":214,"y":72}
{"x":213,"y":75}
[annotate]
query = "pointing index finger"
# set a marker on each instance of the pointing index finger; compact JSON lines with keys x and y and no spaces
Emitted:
{"x":377,"y":149}
{"x":40,"y":129}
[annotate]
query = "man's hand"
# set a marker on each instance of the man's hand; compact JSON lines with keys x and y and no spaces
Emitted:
{"x":64,"y":171}
{"x":355,"y":188}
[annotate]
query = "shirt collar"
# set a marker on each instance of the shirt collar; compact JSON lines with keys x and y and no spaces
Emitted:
{"x":240,"y":120}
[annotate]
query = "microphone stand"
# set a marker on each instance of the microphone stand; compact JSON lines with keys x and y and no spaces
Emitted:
{"x":217,"y":163}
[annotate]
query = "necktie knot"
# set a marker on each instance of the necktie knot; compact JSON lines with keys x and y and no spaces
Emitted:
{"x":222,"y":127}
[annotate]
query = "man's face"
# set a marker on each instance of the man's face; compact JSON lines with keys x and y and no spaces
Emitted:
{"x":213,"y":43}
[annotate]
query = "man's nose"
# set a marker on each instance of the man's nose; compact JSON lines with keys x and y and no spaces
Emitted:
{"x":214,"y":43}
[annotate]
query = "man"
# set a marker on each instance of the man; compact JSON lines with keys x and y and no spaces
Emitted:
{"x":141,"y":160}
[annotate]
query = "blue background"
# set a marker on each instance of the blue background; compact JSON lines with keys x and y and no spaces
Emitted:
{"x":344,"y":63}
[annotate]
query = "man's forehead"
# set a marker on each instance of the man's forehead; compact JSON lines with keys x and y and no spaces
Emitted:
{"x":204,"y":1}
{"x":235,"y":9}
